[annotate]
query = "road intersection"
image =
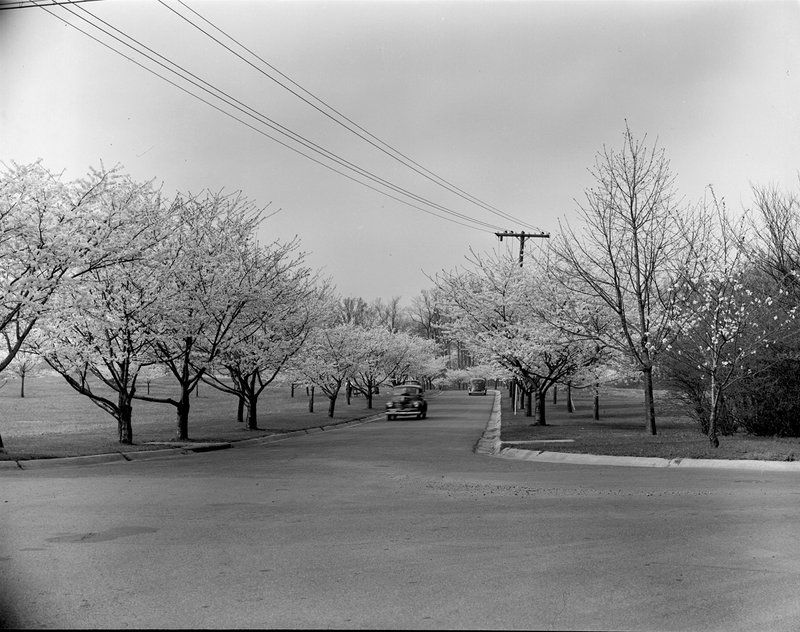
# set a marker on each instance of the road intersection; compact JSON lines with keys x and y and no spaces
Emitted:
{"x":397,"y":525}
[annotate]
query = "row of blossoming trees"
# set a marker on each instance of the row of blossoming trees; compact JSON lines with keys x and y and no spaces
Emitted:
{"x":646,"y":284}
{"x":109,"y":283}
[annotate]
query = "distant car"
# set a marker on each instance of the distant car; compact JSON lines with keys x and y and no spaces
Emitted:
{"x":407,"y":401}
{"x":477,"y":386}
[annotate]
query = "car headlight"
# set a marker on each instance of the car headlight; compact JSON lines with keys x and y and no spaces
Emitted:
{"x":389,"y":404}
{"x":416,"y":404}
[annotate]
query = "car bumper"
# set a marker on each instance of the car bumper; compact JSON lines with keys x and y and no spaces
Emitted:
{"x":406,"y":412}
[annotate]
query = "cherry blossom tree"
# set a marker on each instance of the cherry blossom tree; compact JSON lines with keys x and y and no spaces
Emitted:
{"x":288,"y":302}
{"x":495,"y":308}
{"x":384,"y":356}
{"x":630,"y":251}
{"x":102,"y":330}
{"x":53,"y":234}
{"x":96,"y":334}
{"x":203,"y":286}
{"x":328,"y":359}
{"x":727,"y":313}
{"x":24,"y":365}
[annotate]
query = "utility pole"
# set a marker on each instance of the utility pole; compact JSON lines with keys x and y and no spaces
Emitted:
{"x":522,"y":236}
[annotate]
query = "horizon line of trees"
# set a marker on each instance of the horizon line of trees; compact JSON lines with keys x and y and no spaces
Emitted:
{"x":107,"y":280}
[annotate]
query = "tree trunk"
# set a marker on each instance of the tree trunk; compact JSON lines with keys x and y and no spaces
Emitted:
{"x":649,"y":403}
{"x":596,"y":401}
{"x":252,"y":411}
{"x":570,"y":404}
{"x":712,"y":418}
{"x":22,"y":385}
{"x":124,"y":422}
{"x":2,"y":447}
{"x":528,"y":403}
{"x":369,"y":394}
{"x":541,"y":411}
{"x":182,"y":433}
{"x":240,"y":410}
{"x":310,"y":399}
{"x":331,"y":405}
{"x":555,"y":394}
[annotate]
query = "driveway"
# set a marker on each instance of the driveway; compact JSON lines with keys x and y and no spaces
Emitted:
{"x":397,"y":525}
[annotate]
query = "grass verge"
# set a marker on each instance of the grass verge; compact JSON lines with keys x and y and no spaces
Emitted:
{"x":53,"y":421}
{"x":621,"y":430}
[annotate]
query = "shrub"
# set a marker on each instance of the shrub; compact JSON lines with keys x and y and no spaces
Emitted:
{"x":767,"y":402}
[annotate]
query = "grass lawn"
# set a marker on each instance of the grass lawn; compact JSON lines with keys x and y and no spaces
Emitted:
{"x":52,"y":420}
{"x":621,"y":430}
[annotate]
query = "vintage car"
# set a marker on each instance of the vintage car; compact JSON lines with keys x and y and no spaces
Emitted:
{"x":407,"y":401}
{"x":477,"y":386}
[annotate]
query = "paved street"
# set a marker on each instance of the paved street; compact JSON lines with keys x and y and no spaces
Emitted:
{"x":397,"y":525}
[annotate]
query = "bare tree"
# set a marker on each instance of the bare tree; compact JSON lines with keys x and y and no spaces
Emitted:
{"x":353,"y":311}
{"x":426,"y":315}
{"x":631,"y":251}
{"x":776,"y":226}
{"x":390,"y":314}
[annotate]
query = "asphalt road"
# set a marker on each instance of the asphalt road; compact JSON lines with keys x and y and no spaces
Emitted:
{"x":397,"y":525}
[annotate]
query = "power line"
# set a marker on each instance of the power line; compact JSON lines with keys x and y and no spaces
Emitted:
{"x":30,"y":4}
{"x":230,"y":101}
{"x":369,"y":138}
{"x":207,"y":87}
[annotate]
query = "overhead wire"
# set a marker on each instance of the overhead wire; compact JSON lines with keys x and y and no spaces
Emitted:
{"x":228,"y":99}
{"x":259,"y":131}
{"x":29,"y":4}
{"x":252,"y":113}
{"x":286,"y":132}
{"x":350,"y":125}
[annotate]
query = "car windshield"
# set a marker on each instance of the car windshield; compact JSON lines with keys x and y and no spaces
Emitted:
{"x":406,"y":390}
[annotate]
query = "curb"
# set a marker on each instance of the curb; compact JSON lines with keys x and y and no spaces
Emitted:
{"x":182,"y":449}
{"x":111,"y":457}
{"x":491,"y":445}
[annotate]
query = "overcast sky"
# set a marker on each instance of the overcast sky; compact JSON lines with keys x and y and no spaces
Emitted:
{"x":508,"y":101}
